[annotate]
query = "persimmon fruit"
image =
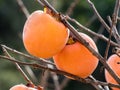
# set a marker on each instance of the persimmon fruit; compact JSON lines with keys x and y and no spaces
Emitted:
{"x":23,"y":87}
{"x":76,"y":59}
{"x":114,"y":63}
{"x":43,"y":35}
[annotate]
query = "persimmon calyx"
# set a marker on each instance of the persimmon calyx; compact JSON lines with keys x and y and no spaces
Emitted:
{"x":71,"y":41}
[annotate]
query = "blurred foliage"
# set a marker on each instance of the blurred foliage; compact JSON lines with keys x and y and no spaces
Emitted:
{"x":11,"y":24}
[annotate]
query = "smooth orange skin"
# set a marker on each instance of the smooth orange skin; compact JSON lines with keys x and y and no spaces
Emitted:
{"x":113,"y":63}
{"x":77,"y":59}
{"x":21,"y":87}
{"x":43,"y":36}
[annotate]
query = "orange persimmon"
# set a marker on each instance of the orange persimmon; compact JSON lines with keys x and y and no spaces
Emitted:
{"x":23,"y":87}
{"x":114,"y":63}
{"x":43,"y":35}
{"x":76,"y":59}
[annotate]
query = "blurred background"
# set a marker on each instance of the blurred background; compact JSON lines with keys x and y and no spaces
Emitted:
{"x":12,"y":20}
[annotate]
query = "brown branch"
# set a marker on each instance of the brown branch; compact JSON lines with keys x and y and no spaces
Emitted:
{"x":35,"y":65}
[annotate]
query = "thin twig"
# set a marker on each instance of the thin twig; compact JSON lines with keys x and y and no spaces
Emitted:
{"x":100,"y":31}
{"x":35,"y":65}
{"x":93,"y":18}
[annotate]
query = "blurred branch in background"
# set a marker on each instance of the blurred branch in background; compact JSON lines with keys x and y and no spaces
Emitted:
{"x":71,"y":7}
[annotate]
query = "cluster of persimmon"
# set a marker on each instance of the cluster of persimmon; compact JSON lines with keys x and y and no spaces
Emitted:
{"x":45,"y":36}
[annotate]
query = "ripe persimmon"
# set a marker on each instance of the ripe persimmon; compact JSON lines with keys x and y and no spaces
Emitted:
{"x":22,"y":87}
{"x":76,"y":59}
{"x":43,"y":35}
{"x":114,"y":63}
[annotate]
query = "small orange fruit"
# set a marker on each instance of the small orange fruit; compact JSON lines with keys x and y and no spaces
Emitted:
{"x":76,"y":59}
{"x":43,"y":35}
{"x":114,"y":63}
{"x":22,"y":87}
